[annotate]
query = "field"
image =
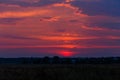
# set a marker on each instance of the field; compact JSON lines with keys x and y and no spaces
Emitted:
{"x":60,"y":72}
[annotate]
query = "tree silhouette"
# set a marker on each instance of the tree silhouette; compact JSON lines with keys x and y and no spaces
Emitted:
{"x":67,"y":61}
{"x":46,"y":60}
{"x":56,"y":60}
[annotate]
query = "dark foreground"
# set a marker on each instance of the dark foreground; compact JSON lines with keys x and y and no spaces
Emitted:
{"x":60,"y":72}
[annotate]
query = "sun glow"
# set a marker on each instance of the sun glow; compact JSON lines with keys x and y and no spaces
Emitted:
{"x":66,"y":53}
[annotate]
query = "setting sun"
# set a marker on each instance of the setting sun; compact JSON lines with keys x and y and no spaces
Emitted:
{"x":66,"y":53}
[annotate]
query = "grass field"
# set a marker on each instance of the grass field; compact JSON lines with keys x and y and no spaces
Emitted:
{"x":60,"y":72}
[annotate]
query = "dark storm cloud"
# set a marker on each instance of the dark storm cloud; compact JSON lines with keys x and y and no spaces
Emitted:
{"x":101,"y":7}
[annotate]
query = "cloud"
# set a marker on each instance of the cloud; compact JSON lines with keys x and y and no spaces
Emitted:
{"x":113,"y":26}
{"x":51,"y":19}
{"x":101,"y":7}
{"x":34,"y":3}
{"x":89,"y":7}
{"x":14,"y":14}
{"x":60,"y":24}
{"x":10,"y":20}
{"x":13,"y":36}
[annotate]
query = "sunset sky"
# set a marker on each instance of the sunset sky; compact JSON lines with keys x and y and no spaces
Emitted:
{"x":68,"y":28}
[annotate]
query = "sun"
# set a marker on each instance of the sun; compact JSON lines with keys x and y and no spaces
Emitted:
{"x":66,"y":53}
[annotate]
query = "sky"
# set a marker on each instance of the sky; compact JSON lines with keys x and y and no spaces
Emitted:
{"x":67,"y":28}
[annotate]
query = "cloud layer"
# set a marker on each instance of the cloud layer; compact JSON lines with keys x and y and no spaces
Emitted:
{"x":47,"y":27}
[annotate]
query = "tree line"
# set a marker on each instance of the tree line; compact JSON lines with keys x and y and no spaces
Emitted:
{"x":59,"y":60}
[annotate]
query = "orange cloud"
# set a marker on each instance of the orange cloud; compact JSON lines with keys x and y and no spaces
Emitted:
{"x":67,"y":5}
{"x":67,"y":1}
{"x":51,"y":19}
{"x":14,"y":14}
{"x":93,"y":28}
{"x":98,"y":28}
{"x":64,"y":38}
{"x":64,"y":5}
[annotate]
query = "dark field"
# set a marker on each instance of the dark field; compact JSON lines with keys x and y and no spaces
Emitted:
{"x":60,"y":72}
